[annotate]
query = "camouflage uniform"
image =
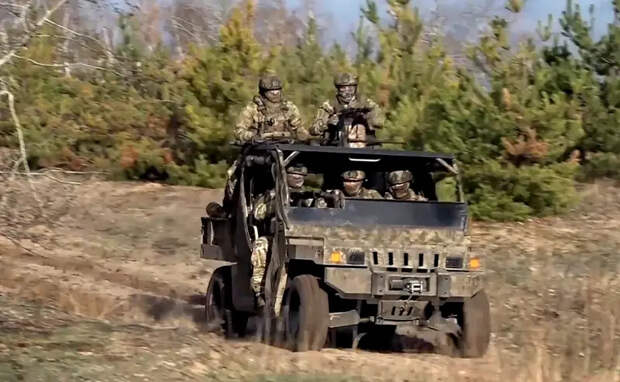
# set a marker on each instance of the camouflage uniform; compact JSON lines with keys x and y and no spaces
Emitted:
{"x":328,"y":113}
{"x":399,"y":186}
{"x":269,"y":118}
{"x":264,"y":209}
{"x":265,"y":118}
{"x":357,"y":176}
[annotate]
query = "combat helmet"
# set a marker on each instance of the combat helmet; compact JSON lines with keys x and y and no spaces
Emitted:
{"x":345,"y":79}
{"x":399,"y":177}
{"x":297,"y":170}
{"x":270,"y":82}
{"x":353,"y":176}
{"x":295,"y":176}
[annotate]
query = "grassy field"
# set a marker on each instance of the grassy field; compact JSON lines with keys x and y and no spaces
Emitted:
{"x":101,"y":285}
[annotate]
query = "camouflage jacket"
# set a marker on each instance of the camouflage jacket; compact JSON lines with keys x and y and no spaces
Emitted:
{"x":327,"y":114}
{"x":262,"y":120}
{"x":366,"y":193}
{"x":411,"y":195}
{"x":264,"y":206}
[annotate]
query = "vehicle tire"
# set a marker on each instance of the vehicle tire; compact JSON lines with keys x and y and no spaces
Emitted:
{"x":218,"y":310}
{"x":321,"y":319}
{"x":305,"y":314}
{"x":475,"y":322}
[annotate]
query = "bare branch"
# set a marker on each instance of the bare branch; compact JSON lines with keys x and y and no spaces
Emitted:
{"x":42,"y":174}
{"x":182,"y":28}
{"x":75,"y":33}
{"x":26,"y":39}
{"x":12,"y":5}
{"x":83,"y":64}
{"x":20,"y":136}
{"x":39,"y":63}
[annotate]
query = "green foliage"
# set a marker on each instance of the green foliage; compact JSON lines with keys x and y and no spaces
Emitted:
{"x":519,"y":118}
{"x":601,"y":94}
{"x":202,"y":174}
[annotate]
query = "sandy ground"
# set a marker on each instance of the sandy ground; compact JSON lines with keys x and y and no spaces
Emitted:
{"x":101,"y":286}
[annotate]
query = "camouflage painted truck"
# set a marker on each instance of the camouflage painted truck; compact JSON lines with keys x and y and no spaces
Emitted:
{"x":359,"y":267}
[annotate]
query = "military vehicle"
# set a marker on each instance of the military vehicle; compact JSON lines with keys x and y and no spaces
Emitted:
{"x":364,"y":266}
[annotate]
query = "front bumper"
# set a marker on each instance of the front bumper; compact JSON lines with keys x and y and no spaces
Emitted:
{"x":366,"y":283}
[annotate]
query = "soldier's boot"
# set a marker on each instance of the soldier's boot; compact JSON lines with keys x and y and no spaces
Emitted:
{"x":260,"y":300}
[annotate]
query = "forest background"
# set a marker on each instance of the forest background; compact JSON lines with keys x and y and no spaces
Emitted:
{"x":155,"y":93}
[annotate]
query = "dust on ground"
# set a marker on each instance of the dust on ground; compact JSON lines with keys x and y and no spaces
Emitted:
{"x":100,"y":282}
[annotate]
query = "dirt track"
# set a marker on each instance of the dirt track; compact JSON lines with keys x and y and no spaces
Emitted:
{"x":107,"y":256}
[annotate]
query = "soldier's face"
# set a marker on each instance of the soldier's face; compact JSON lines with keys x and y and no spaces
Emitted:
{"x":295,"y":180}
{"x":399,"y":191}
{"x":352,"y":187}
{"x":346,"y":94}
{"x":273,"y":95}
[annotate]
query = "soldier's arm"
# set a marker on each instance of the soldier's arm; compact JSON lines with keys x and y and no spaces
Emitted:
{"x":320,"y":120}
{"x":246,"y":128}
{"x":376,"y":118}
{"x":296,"y":123}
{"x":264,"y":207}
{"x":374,"y":194}
{"x":420,"y":197}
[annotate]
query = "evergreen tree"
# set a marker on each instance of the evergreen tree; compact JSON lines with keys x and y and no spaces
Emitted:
{"x":520,"y":119}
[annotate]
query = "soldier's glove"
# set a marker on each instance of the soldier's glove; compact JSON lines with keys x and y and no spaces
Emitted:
{"x":333,"y":120}
{"x":335,"y":198}
{"x":247,"y":135}
{"x":256,"y":139}
{"x":277,"y":136}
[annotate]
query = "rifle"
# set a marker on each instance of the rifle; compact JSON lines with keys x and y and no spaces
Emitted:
{"x":338,"y":134}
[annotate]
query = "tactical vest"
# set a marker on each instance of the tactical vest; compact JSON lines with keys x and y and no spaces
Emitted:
{"x":272,"y":119}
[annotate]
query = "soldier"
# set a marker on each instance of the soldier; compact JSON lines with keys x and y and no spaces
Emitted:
{"x":352,"y":186}
{"x":264,"y":209}
{"x":399,"y":186}
{"x":347,"y":97}
{"x":269,"y":115}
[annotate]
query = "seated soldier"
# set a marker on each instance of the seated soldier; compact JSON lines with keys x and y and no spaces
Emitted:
{"x":399,"y":186}
{"x":295,"y":178}
{"x":264,"y":209}
{"x":352,"y":186}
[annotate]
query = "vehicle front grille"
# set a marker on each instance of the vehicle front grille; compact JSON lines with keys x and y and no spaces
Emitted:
{"x":454,"y":262}
{"x":396,"y":259}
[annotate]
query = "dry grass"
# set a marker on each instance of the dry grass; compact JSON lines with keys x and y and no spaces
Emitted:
{"x":126,"y":253}
{"x":556,"y":291}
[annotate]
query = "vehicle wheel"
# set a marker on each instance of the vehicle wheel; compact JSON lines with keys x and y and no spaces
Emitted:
{"x":218,"y":311}
{"x":475,"y":322}
{"x":306,"y":314}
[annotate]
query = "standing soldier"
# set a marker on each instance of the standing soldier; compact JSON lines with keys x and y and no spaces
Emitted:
{"x":347,"y":98}
{"x":399,"y":186}
{"x":352,"y":186}
{"x":269,"y":115}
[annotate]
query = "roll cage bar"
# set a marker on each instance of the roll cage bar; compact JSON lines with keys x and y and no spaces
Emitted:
{"x":329,"y":159}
